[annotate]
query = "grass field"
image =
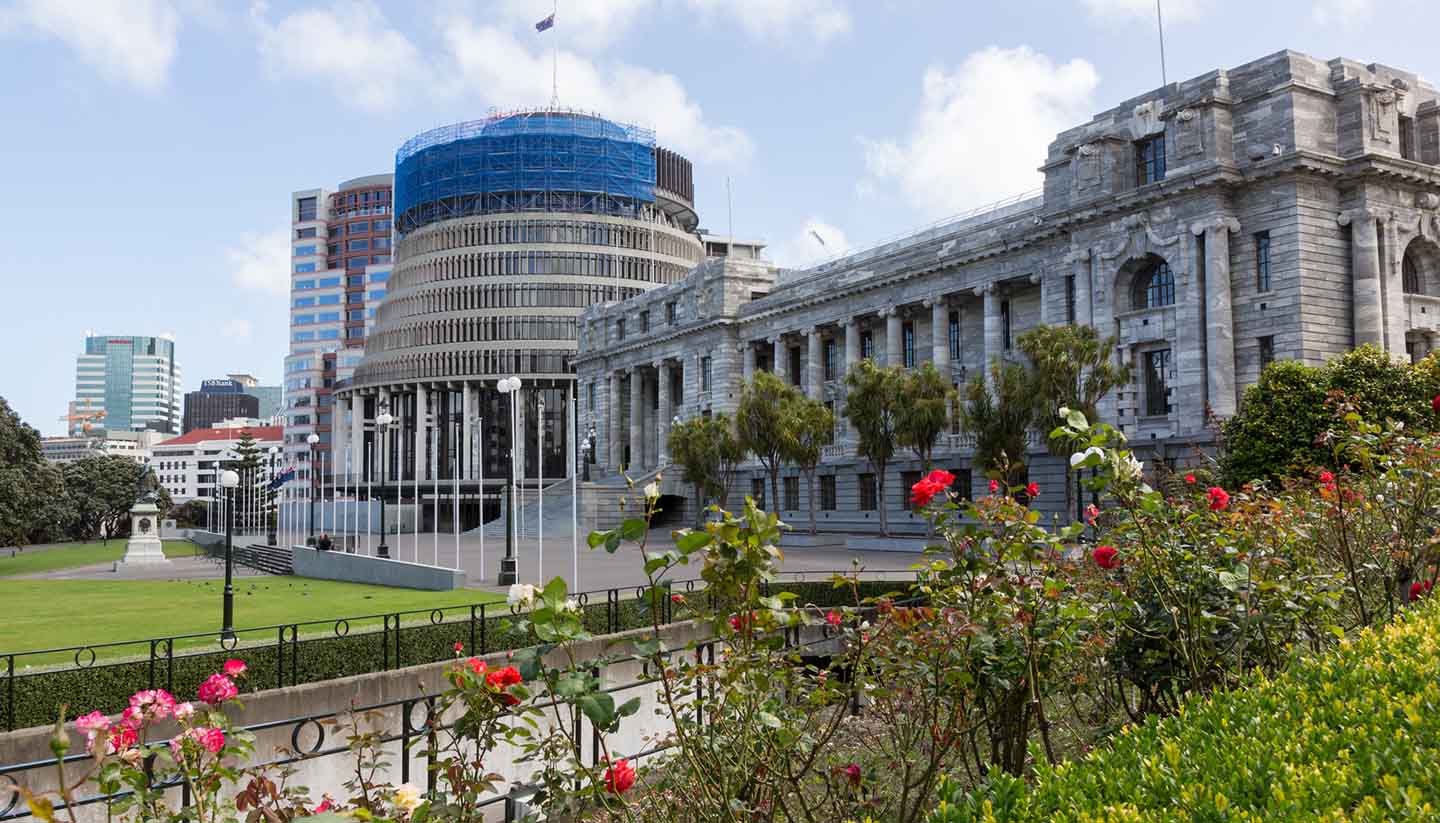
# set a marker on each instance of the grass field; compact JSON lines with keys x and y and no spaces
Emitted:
{"x":76,"y":555}
{"x":42,"y":614}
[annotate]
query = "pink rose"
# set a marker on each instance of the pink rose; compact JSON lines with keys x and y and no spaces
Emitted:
{"x":234,"y":668}
{"x":212,"y":739}
{"x":133,"y":717}
{"x":157,"y":703}
{"x":92,"y":722}
{"x":184,"y":711}
{"x":834,"y":619}
{"x":216,"y":689}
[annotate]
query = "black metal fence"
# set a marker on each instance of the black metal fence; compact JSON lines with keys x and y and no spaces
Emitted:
{"x":102,"y":676}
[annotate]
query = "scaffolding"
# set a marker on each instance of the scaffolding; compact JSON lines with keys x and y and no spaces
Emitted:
{"x":546,"y":160}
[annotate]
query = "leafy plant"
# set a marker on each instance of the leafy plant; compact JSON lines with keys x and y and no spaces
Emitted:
{"x":874,"y":403}
{"x":760,"y":423}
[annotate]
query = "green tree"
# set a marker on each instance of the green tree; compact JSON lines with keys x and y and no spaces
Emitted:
{"x":101,"y":491}
{"x":925,"y":414}
{"x":248,"y":467}
{"x":1000,"y":412}
{"x":191,"y":514}
{"x":707,"y":451}
{"x":873,"y":404}
{"x":759,"y":422}
{"x":1074,"y":369}
{"x":808,"y":428}
{"x":20,"y":459}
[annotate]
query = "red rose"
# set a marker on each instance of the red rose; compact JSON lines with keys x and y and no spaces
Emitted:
{"x":619,"y":777}
{"x":503,"y":678}
{"x":1092,"y":513}
{"x":994,"y":486}
{"x":1417,"y":591}
{"x":459,"y":647}
{"x":1190,"y":478}
{"x":234,"y":668}
{"x":1219,"y":498}
{"x":923,"y":492}
{"x":853,"y":774}
{"x":834,"y":619}
{"x":1327,"y":478}
{"x":677,"y":598}
{"x":1435,"y":404}
{"x":741,"y":622}
{"x":1032,"y":490}
{"x":1106,"y":557}
{"x":477,"y":666}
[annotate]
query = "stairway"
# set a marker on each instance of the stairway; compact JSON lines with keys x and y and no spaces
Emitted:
{"x":557,"y":515}
{"x":260,"y":557}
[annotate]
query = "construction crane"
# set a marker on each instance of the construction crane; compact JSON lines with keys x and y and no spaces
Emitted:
{"x":84,"y":416}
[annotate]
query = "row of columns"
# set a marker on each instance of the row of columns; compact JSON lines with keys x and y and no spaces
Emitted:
{"x":646,"y":450}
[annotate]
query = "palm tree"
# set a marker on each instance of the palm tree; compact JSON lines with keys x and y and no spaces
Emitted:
{"x":759,"y":423}
{"x":926,"y":411}
{"x":999,"y":413}
{"x":874,"y":405}
{"x":808,"y":428}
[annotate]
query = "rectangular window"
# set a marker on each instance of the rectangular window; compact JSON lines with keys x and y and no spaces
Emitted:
{"x":1407,"y":137}
{"x":827,"y":492}
{"x":302,"y":302}
{"x":757,"y":491}
{"x":792,"y":494}
{"x":304,"y":268}
{"x":308,"y":231}
{"x":1070,"y":298}
{"x":1267,"y":350}
{"x":1262,"y":261}
{"x":953,"y":335}
{"x":328,"y":300}
{"x":907,"y":343}
{"x":670,"y":313}
{"x":961,"y":486}
{"x":355,"y":298}
{"x":831,"y":359}
{"x":1005,"y":324}
{"x":1150,"y":160}
{"x":328,"y":334}
{"x":620,"y":328}
{"x":867,"y":345}
{"x":644,"y":321}
{"x":379,"y":276}
{"x":337,"y":231}
{"x":301,"y":285}
{"x":705,"y":374}
{"x":328,"y":282}
{"x":1157,"y":377}
{"x":305,"y":208}
{"x":376,"y":294}
{"x":381,"y":226}
{"x":304,"y":251}
{"x":358,"y":245}
{"x":328,"y":317}
{"x":355,"y":280}
{"x":333,"y":249}
{"x":590,"y":398}
{"x":357,"y":262}
{"x":360,"y":228}
{"x":794,"y":358}
{"x":866,"y":489}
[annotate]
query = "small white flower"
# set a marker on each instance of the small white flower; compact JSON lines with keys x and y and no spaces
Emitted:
{"x":1080,"y":457}
{"x":407,"y":797}
{"x":521,"y":594}
{"x":1128,"y":468}
{"x":651,"y":490}
{"x":572,"y":605}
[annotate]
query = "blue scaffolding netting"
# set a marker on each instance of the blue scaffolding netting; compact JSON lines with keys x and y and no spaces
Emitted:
{"x":524,"y":161}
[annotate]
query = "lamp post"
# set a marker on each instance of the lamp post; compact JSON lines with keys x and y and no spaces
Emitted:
{"x":229,"y":479}
{"x":509,"y":566}
{"x":312,"y":440}
{"x":587,"y":450}
{"x":270,"y":493}
{"x":382,"y":425}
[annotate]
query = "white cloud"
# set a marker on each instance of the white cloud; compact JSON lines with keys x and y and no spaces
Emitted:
{"x":237,"y":329}
{"x":982,"y":129}
{"x":132,"y":42}
{"x":815,"y":241}
{"x":1341,"y":12}
{"x":1173,"y":11}
{"x":262,"y":261}
{"x":497,"y":66}
{"x":348,"y":44}
{"x":820,"y":20}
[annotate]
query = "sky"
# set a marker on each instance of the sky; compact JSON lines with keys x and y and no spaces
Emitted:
{"x":149,"y":147}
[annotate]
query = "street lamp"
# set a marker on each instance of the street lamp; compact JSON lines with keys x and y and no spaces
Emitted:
{"x":382,"y":425}
{"x":312,"y":440}
{"x":509,"y":566}
{"x":229,"y":479}
{"x":587,"y":450}
{"x":269,"y":492}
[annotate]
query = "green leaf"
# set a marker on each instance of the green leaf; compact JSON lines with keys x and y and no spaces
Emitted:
{"x":629,"y":707}
{"x":690,"y":542}
{"x":594,"y":539}
{"x":632,"y":529}
{"x":770,"y":720}
{"x":600,"y":708}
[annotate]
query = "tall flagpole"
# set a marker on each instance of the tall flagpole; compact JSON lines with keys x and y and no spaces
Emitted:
{"x":419,"y":470}
{"x":455,"y":499}
{"x":1160,"y":25}
{"x":435,"y":495}
{"x":555,"y":61}
{"x":540,"y":492}
{"x":480,"y":468}
{"x":369,"y":500}
{"x":570,"y":432}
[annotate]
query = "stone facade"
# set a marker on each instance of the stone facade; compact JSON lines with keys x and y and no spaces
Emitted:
{"x":1286,"y":208}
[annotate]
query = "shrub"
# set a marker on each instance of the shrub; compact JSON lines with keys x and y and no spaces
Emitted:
{"x":1349,"y":735}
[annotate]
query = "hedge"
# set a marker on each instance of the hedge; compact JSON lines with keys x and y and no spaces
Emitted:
{"x":423,"y":638}
{"x":1351,"y":735}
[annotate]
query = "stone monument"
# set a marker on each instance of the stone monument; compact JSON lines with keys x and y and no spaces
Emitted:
{"x":145,"y":548}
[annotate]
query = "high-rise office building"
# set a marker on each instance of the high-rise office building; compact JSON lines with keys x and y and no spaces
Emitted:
{"x":340,"y":265}
{"x":271,"y":398}
{"x":218,"y":400}
{"x":126,"y":383}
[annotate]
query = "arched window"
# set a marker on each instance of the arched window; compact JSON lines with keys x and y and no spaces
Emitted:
{"x":1153,"y":287}
{"x":1410,"y":274}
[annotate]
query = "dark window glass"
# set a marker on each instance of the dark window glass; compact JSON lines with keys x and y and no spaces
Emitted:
{"x":1154,"y":287}
{"x":827,"y":492}
{"x":954,"y":335}
{"x":831,"y":359}
{"x":792,"y":494}
{"x":757,"y":491}
{"x":644,"y":321}
{"x":305,"y":232}
{"x":1407,"y":137}
{"x":670,"y":313}
{"x":1157,"y":376}
{"x":705,"y":374}
{"x":867,"y":345}
{"x":866,"y":483}
{"x":1069,"y":298}
{"x":1262,"y":261}
{"x":1410,"y":275}
{"x":620,"y":328}
{"x":1150,"y":160}
{"x":907,"y":482}
{"x":1005,"y":324}
{"x":1267,"y":350}
{"x":907,"y":344}
{"x":305,"y":208}
{"x":961,"y":486}
{"x":794,"y":352}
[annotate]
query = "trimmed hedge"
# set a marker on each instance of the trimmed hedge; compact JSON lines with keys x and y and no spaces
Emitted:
{"x":107,"y":687}
{"x":1351,"y":735}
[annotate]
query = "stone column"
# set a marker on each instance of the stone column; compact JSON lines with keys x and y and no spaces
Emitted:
{"x":994,"y":331}
{"x":467,"y":431}
{"x":894,"y":355}
{"x":613,"y":450}
{"x":637,"y":414}
{"x":1393,"y":290}
{"x":665,"y":412}
{"x":814,"y":366}
{"x":1079,"y":261}
{"x":1219,"y":316}
{"x":749,"y":373}
{"x":940,"y":334}
{"x":852,"y":356}
{"x":357,"y":436}
{"x":777,"y":350}
{"x":422,"y":430}
{"x":1365,"y":252}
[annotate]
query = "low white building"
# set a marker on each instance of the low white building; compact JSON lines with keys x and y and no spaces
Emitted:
{"x":186,"y":465}
{"x":134,"y":445}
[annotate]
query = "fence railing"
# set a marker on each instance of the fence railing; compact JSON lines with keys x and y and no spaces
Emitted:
{"x":104,"y":675}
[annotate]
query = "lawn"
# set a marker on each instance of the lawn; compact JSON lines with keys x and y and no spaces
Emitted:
{"x":78,"y":554}
{"x":42,"y":614}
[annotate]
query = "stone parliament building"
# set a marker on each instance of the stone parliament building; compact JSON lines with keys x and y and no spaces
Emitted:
{"x":1286,"y":208}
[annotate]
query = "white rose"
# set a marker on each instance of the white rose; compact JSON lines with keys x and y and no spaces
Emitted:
{"x":1079,"y":457}
{"x":572,"y":605}
{"x":407,"y":797}
{"x":522,"y":594}
{"x":1128,"y":468}
{"x":651,"y":490}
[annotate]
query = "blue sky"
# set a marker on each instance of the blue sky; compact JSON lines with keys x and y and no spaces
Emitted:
{"x":150,"y":146}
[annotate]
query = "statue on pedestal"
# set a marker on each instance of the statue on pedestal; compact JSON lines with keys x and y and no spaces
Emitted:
{"x":144,"y":546}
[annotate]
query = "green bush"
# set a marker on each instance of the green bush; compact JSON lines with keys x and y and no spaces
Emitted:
{"x":1351,"y":735}
{"x":423,"y":638}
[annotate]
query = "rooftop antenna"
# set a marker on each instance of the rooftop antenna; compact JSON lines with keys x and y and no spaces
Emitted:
{"x":818,"y":239}
{"x":1160,"y":25}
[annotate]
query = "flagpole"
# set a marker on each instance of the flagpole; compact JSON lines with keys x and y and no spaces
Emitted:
{"x":369,"y":501}
{"x":540,"y":492}
{"x":555,"y":61}
{"x":570,"y":432}
{"x":1160,"y":25}
{"x":435,"y":494}
{"x":480,"y":468}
